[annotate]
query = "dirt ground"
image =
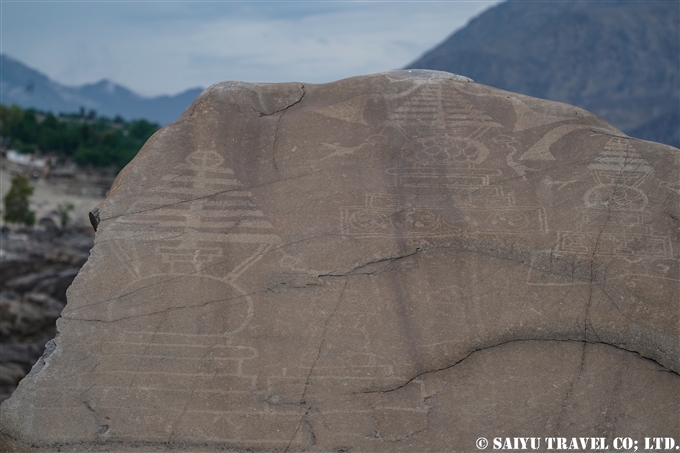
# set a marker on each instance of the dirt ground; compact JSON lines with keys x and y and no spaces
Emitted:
{"x":48,"y":195}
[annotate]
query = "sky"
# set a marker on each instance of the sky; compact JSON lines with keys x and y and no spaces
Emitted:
{"x":164,"y":47}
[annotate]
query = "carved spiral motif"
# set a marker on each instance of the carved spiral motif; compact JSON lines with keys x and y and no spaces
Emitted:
{"x":450,"y":150}
{"x":415,"y":220}
{"x":369,"y":220}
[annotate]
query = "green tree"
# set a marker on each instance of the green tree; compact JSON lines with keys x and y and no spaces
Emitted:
{"x":16,"y":202}
{"x":97,"y":141}
{"x":142,"y":129}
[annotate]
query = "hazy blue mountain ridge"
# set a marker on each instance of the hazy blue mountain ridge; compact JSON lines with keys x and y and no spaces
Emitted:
{"x":617,"y":59}
{"x":620,"y":60}
{"x":29,"y":88}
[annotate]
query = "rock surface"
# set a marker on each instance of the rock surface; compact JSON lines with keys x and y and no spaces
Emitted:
{"x":406,"y":261}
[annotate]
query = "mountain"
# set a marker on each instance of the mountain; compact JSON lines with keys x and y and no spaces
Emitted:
{"x":29,"y":88}
{"x":618,"y":59}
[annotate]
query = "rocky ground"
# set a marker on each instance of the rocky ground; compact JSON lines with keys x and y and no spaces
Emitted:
{"x":38,"y":265}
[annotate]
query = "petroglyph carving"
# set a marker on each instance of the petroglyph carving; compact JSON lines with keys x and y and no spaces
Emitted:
{"x":398,"y":279}
{"x":465,"y":202}
{"x":188,"y":220}
{"x":613,"y":221}
{"x":445,"y":154}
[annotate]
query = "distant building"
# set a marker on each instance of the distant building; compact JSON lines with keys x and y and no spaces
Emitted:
{"x":27,"y":160}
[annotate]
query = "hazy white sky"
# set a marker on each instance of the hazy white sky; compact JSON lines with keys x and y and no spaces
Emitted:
{"x":164,"y":47}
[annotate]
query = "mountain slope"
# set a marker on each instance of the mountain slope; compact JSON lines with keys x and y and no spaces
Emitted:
{"x":620,"y":60}
{"x":29,"y":88}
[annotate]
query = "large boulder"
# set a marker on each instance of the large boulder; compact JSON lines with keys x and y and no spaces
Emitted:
{"x":406,"y":261}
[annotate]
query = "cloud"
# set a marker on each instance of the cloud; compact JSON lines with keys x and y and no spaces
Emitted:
{"x":158,"y":47}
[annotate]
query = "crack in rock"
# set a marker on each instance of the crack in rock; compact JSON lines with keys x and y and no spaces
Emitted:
{"x":316,"y":359}
{"x":278,"y":124}
{"x":102,"y":428}
{"x":297,"y":101}
{"x":517,"y":340}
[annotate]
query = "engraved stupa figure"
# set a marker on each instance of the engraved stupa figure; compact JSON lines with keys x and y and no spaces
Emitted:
{"x":440,"y":188}
{"x":206,"y":231}
{"x":445,"y":129}
{"x":180,"y":324}
{"x":616,"y":205}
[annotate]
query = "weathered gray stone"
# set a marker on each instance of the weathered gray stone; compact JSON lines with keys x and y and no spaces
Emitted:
{"x":395,"y":262}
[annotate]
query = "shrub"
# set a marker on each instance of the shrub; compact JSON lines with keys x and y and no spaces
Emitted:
{"x":16,"y":202}
{"x":64,"y":209}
